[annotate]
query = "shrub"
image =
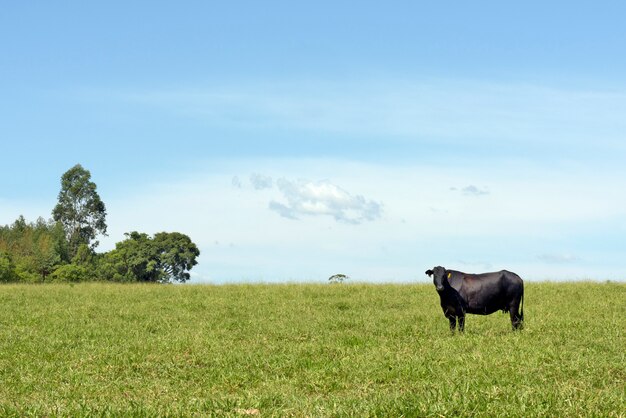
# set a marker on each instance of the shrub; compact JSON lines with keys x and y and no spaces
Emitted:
{"x":70,"y":273}
{"x":23,"y":274}
{"x":7,"y":269}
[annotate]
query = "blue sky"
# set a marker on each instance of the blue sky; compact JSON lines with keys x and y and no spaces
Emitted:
{"x":292,"y":141}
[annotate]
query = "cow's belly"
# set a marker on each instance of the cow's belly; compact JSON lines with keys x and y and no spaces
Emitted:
{"x":485,"y":301}
{"x":484,"y":309}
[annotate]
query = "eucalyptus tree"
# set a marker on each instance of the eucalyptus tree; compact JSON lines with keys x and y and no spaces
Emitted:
{"x":80,"y":209}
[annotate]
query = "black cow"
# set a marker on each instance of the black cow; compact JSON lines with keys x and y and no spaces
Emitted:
{"x":480,"y":294}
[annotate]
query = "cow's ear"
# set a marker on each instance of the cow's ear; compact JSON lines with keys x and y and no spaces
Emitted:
{"x":429,"y":272}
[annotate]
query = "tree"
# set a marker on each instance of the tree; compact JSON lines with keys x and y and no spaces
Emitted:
{"x":165,"y":258}
{"x":7,"y":268}
{"x":176,"y":255}
{"x":80,"y":209}
{"x":44,"y":258}
{"x":84,"y":256}
{"x":131,"y":260}
{"x":35,"y":249}
{"x":82,"y":268}
{"x":337,"y":278}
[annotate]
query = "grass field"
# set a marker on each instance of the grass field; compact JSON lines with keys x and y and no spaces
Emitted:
{"x":306,"y":350}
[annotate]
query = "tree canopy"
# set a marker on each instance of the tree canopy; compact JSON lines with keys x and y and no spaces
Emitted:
{"x":165,"y":258}
{"x":35,"y":248}
{"x":80,"y":209}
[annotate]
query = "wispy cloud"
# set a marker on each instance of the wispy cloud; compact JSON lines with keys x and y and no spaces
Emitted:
{"x":558,"y":258}
{"x":439,"y":210}
{"x":471,"y":190}
{"x":441,"y":109}
{"x":236,"y":182}
{"x":322,"y":198}
{"x":260,"y":182}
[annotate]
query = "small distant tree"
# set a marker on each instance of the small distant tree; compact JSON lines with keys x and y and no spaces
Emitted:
{"x":338,"y":278}
{"x":80,"y":209}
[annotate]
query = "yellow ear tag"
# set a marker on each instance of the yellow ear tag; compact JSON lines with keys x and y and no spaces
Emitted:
{"x":449,"y":275}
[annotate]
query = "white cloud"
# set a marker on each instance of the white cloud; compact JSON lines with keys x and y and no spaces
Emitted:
{"x":322,"y":198}
{"x":260,"y":182}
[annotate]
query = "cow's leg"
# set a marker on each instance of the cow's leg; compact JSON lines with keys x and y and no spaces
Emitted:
{"x":452,"y":320}
{"x":462,"y":323}
{"x":516,"y":318}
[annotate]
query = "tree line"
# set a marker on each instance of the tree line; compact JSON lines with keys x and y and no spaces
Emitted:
{"x":62,"y":249}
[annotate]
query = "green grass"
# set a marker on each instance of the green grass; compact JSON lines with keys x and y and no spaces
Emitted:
{"x":306,"y":350}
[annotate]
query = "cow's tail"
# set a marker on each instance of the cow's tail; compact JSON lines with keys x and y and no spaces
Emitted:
{"x":521,"y":308}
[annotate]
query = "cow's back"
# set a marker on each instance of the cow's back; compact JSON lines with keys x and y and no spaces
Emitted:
{"x":486,"y":293}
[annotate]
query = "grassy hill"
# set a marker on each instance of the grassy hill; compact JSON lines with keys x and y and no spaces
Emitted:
{"x":306,"y":350}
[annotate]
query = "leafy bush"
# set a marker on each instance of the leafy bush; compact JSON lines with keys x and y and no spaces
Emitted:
{"x":24,"y":275}
{"x":7,"y":268}
{"x":71,"y":273}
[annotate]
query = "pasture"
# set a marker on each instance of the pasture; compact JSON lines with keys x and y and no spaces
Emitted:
{"x":306,"y":350}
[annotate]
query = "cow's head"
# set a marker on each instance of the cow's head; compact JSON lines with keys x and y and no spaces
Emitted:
{"x":440,"y":277}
